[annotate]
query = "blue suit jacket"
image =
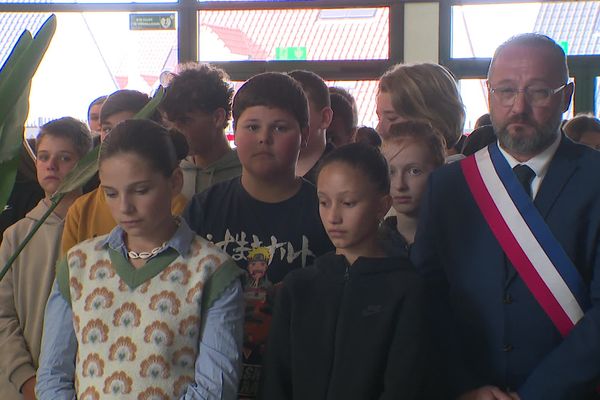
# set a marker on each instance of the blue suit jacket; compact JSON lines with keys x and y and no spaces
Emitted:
{"x":491,"y":330}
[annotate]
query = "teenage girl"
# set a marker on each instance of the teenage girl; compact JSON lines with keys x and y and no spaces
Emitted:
{"x":352,"y":325}
{"x":90,"y":215}
{"x":413,"y":150}
{"x":150,"y":310}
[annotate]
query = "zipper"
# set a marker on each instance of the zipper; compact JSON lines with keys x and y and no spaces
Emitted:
{"x":338,"y":331}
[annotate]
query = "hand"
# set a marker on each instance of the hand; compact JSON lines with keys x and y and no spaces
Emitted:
{"x":514,"y":396}
{"x":487,"y":393}
{"x":28,"y":389}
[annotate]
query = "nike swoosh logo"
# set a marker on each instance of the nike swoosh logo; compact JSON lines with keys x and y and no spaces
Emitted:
{"x":371,"y":310}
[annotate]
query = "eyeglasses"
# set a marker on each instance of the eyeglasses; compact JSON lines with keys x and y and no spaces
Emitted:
{"x":536,"y":96}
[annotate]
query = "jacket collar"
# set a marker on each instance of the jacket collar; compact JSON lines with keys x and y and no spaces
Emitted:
{"x":563,"y":165}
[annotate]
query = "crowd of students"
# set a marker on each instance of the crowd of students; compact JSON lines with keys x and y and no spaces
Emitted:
{"x":306,"y":263}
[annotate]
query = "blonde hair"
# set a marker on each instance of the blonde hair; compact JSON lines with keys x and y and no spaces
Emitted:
{"x":580,"y":124}
{"x":262,"y":251}
{"x":428,"y":93}
{"x":423,"y":133}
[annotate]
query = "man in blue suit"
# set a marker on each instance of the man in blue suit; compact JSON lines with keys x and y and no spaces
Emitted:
{"x":497,"y":339}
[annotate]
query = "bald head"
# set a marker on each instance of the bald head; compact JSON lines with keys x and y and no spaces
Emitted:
{"x":556,"y":55}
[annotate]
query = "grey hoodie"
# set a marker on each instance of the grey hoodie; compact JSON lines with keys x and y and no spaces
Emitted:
{"x":196,"y":179}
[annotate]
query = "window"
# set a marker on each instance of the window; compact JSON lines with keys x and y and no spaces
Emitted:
{"x":474,"y":96}
{"x":477,"y":29}
{"x":86,"y":60}
{"x":292,"y":35}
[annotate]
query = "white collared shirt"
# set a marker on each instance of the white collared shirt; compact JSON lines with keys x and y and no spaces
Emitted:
{"x":539,"y":163}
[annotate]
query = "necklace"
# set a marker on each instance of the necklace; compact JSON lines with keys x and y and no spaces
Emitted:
{"x":146,"y":254}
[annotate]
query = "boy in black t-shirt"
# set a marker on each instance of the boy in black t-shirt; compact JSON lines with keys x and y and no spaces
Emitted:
{"x":269,"y":217}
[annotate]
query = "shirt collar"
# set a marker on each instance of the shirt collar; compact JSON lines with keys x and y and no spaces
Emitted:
{"x":180,"y":241}
{"x":539,"y":163}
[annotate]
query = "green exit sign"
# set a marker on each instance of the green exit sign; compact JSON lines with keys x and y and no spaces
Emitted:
{"x":565,"y":45}
{"x":290,"y":53}
{"x":151,"y":22}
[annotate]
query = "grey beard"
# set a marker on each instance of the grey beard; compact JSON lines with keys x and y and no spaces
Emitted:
{"x":520,"y":144}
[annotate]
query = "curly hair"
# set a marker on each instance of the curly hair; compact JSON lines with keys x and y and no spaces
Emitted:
{"x":198,"y":86}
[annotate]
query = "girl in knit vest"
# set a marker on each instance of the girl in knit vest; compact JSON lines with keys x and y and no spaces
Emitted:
{"x":352,"y":326}
{"x":150,"y":310}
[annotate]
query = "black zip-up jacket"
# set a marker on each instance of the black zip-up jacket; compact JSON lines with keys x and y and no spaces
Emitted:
{"x":348,"y":332}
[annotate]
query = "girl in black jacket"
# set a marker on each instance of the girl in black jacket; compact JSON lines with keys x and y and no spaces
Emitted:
{"x":352,"y":325}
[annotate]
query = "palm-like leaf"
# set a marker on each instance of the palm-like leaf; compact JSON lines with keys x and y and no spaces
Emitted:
{"x":15,"y":85}
{"x":9,"y":139}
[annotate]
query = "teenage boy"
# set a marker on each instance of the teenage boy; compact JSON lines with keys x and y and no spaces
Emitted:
{"x":268,"y":211}
{"x":25,"y":288}
{"x":198,"y":104}
{"x":321,"y":115}
{"x":89,"y":216}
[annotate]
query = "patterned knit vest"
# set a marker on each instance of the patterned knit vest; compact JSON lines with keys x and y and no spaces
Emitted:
{"x":137,"y":330}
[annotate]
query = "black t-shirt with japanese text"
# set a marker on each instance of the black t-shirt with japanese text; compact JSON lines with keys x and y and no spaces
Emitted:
{"x":267,"y":240}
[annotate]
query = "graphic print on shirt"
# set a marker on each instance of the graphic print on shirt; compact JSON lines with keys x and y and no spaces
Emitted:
{"x":239,"y":246}
{"x":258,"y":295}
{"x":258,"y":259}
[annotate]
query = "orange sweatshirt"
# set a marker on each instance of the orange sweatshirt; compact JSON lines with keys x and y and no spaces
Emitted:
{"x":89,"y":217}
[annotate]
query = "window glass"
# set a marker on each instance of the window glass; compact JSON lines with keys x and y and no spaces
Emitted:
{"x":305,"y":34}
{"x":478,"y":29}
{"x":86,"y":60}
{"x":365,"y":93}
{"x":474,"y":97}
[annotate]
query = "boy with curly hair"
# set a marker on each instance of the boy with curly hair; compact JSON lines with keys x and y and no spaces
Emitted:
{"x":198,"y":104}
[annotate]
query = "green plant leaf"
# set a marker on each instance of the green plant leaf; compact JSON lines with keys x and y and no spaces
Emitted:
{"x":83,"y":171}
{"x":15,"y":54}
{"x":15,"y":85}
{"x":20,"y":74}
{"x":7,"y":179}
{"x":10,"y":140}
{"x":13,"y":128}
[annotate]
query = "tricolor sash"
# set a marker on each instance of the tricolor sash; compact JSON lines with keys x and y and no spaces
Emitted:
{"x":525,"y":237}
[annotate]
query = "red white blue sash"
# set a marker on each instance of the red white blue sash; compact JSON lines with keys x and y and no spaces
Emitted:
{"x":525,"y":238}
